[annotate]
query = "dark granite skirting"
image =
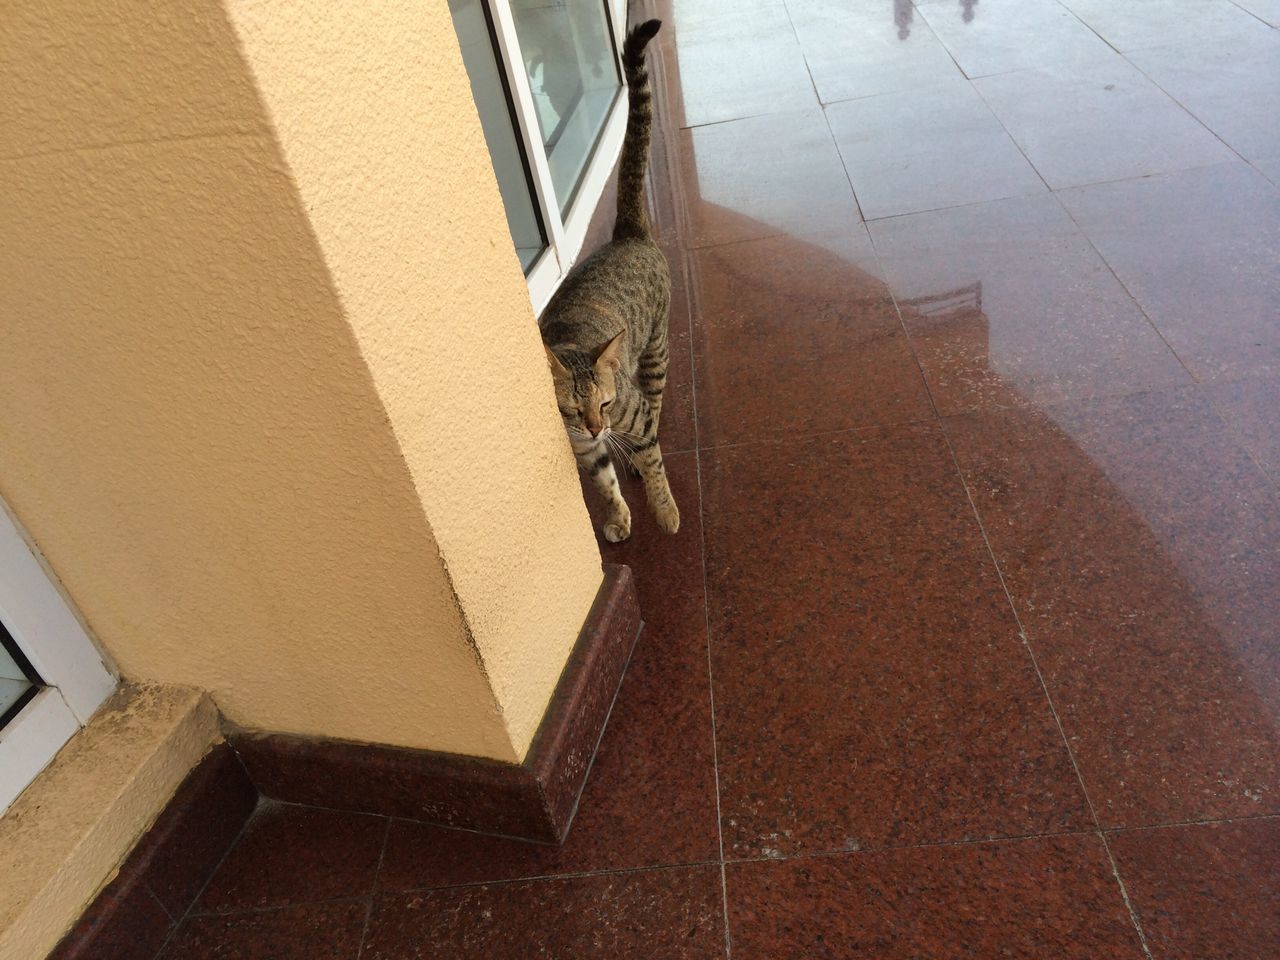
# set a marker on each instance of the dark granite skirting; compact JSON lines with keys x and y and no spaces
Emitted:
{"x":535,"y":800}
{"x":134,"y":914}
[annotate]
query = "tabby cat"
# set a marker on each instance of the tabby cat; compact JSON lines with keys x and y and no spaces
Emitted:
{"x":605,"y":330}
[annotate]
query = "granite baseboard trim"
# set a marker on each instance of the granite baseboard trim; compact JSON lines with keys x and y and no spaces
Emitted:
{"x":160,"y":879}
{"x":534,"y":800}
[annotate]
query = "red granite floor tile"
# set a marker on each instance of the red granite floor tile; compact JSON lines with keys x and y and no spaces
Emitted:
{"x":1205,"y":890}
{"x":1049,"y":898}
{"x":870,"y":685}
{"x":795,"y":338}
{"x":1141,"y":545}
{"x":673,"y":914}
{"x":314,"y":931}
{"x":290,"y":854}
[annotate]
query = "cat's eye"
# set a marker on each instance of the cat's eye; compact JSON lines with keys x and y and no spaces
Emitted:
{"x":605,"y":404}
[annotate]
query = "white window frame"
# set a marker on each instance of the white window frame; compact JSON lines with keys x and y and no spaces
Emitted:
{"x":51,"y":636}
{"x":564,"y":235}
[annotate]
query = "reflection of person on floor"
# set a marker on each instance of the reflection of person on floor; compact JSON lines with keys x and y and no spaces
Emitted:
{"x":968,"y":6}
{"x":903,"y":13}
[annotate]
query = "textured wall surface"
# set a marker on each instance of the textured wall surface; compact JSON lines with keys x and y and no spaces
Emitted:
{"x":276,"y":412}
{"x":373,"y":110}
{"x":64,"y":838}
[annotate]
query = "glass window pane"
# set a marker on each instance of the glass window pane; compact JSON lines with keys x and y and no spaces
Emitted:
{"x":488,"y":89}
{"x":568,"y":54}
{"x":17,"y":680}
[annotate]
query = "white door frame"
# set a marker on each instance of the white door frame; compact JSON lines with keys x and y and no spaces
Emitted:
{"x":51,"y":636}
{"x":565,"y":235}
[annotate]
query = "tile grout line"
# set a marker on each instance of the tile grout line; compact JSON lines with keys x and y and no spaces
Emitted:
{"x":189,"y":912}
{"x":1239,"y":437}
{"x":275,"y":907}
{"x":546,"y":878}
{"x":1053,"y":710}
{"x":691,"y":302}
{"x":373,"y":890}
{"x":680,"y":228}
{"x":706,"y":603}
{"x":1124,"y":286}
{"x":1211,"y":822}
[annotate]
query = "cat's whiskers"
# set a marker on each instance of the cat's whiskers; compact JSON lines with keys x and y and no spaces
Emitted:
{"x":617,"y":446}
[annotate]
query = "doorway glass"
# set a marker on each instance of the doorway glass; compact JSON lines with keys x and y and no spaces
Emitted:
{"x":18,"y":681}
{"x":489,"y":90}
{"x":573,"y":74}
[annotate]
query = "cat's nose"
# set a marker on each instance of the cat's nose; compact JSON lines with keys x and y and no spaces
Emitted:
{"x":595,"y":431}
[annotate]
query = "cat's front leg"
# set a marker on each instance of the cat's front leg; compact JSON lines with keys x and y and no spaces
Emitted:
{"x":593,"y":458}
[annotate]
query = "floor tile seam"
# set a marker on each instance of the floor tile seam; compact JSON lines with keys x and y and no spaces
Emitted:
{"x":1242,"y":440}
{"x":1129,"y":178}
{"x":1182,"y":106}
{"x":384,"y":893}
{"x":1012,"y":139}
{"x":1125,"y":287}
{"x":1207,"y":822}
{"x":695,"y":317}
{"x":750,"y":116}
{"x":1047,"y":406}
{"x":695,"y":248}
{"x":146,"y":885}
{"x":1053,"y":710}
{"x":946,"y":47}
{"x":277,"y":907}
{"x":808,"y":69}
{"x":711,"y":685}
{"x":373,"y":889}
{"x":1088,"y":26}
{"x":414,"y":821}
{"x":1134,"y":915}
{"x":1056,"y":190}
{"x":835,"y":853}
{"x":191,"y":907}
{"x":1252,"y":14}
{"x":844,"y":165}
{"x":827,"y":434}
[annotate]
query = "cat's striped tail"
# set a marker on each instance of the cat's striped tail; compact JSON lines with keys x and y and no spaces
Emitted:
{"x":631,"y":219}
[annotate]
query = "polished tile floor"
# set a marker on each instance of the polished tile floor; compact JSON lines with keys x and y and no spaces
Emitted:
{"x":969,"y":645}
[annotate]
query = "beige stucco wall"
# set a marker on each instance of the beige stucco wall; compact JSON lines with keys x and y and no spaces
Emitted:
{"x":373,"y":110}
{"x":65,"y":837}
{"x":275,"y":410}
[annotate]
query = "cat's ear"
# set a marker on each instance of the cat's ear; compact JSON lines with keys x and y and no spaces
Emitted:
{"x":558,"y":369}
{"x":610,"y":354}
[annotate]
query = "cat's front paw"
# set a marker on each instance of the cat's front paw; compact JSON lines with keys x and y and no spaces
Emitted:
{"x":618,"y":527}
{"x":668,"y":517}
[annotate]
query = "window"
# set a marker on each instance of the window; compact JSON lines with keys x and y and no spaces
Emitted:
{"x":547,"y":83}
{"x":51,"y":676}
{"x":19,"y":681}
